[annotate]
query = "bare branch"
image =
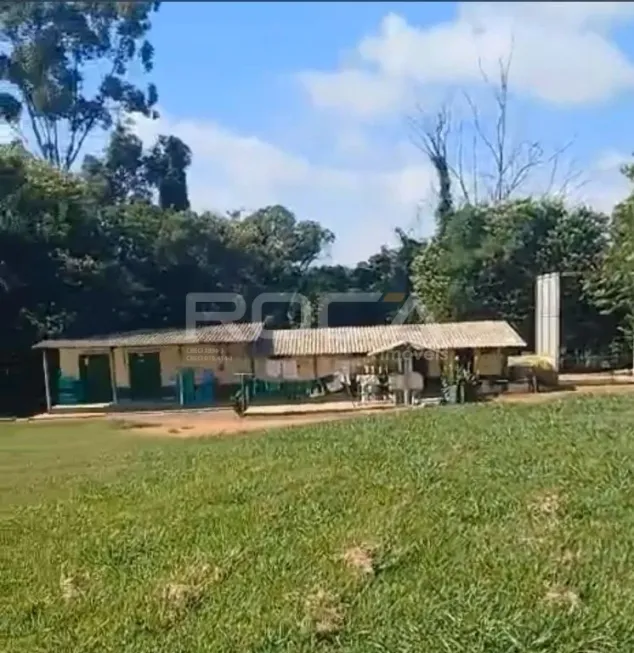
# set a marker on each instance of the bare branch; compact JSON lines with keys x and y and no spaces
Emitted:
{"x":476,"y":193}
{"x":571,"y":181}
{"x":432,"y":140}
{"x":480,"y":134}
{"x":459,"y":172}
{"x":498,"y":164}
{"x":432,"y":135}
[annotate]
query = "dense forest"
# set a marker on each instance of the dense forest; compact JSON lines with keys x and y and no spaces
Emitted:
{"x":100,"y":243}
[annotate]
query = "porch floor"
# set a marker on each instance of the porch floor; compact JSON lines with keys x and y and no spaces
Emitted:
{"x":120,"y":407}
{"x":339,"y":406}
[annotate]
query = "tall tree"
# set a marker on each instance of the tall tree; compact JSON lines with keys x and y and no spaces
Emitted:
{"x":613,"y":286}
{"x":281,"y":247}
{"x":432,"y":139}
{"x":48,"y":241}
{"x":121,"y":173}
{"x":51,"y":49}
{"x":166,"y":169}
{"x":278,"y":251}
{"x":486,"y":263}
{"x":385,"y":273}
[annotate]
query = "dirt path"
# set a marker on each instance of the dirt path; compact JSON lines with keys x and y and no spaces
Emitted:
{"x":223,"y":422}
{"x":197,"y":423}
{"x":540,"y":397}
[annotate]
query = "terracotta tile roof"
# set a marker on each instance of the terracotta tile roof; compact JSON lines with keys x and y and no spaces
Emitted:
{"x":246,"y":332}
{"x":315,"y":342}
{"x":362,"y":340}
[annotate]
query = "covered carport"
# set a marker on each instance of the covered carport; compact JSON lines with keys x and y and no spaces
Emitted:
{"x":403,"y":353}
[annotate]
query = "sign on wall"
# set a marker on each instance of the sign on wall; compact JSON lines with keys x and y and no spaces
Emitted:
{"x":548,"y":316}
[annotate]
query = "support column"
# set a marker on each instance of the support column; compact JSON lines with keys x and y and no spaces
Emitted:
{"x":181,"y":388}
{"x":315,"y":381}
{"x":47,"y":384}
{"x":113,"y":376}
{"x":408,"y":369}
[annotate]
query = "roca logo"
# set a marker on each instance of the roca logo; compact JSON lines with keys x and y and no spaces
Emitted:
{"x":195,"y":316}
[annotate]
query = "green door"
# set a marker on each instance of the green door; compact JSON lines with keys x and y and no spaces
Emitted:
{"x":94,"y":374}
{"x":189,"y":386}
{"x":145,"y":375}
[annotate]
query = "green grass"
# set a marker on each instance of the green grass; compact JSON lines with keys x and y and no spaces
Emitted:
{"x":497,"y":529}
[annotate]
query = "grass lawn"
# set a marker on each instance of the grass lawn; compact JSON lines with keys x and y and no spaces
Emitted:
{"x":497,"y":529}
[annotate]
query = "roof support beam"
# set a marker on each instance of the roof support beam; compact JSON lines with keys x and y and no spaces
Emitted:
{"x":47,"y":383}
{"x":113,"y":375}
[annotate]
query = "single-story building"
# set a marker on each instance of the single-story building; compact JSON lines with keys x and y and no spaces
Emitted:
{"x":183,"y":368}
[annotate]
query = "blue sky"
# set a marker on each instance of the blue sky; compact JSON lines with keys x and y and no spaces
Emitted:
{"x":306,"y":104}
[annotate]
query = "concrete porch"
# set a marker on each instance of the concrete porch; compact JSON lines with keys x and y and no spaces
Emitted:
{"x":126,"y":407}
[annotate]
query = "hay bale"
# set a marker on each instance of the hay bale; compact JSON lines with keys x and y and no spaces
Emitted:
{"x":522,"y":368}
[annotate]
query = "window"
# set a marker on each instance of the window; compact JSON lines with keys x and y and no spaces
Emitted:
{"x":273,"y":368}
{"x":289,"y":369}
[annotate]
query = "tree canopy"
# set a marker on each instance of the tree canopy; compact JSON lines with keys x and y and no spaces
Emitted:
{"x":613,"y":281}
{"x":52,"y":46}
{"x":116,"y":244}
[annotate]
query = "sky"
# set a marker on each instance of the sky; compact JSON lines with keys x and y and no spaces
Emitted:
{"x":309,"y":104}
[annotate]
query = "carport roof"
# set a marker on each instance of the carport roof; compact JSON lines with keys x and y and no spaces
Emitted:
{"x":341,"y":341}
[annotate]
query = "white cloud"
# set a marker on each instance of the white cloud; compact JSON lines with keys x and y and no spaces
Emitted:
{"x":597,"y":15}
{"x":352,"y":142}
{"x":361,"y":205}
{"x":562,"y":54}
{"x":606,"y":185}
{"x":611,"y":161}
{"x":364,"y":93}
{"x":6,"y":135}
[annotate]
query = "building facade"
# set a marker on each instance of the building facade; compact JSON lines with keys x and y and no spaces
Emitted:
{"x":176,"y":367}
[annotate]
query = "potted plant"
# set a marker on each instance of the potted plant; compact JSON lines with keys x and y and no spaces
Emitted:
{"x":470,"y":384}
{"x":449,"y":384}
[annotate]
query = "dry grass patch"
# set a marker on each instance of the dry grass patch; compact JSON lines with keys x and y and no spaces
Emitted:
{"x":72,"y":586}
{"x":181,"y":596}
{"x":323,"y":614}
{"x":545,"y":509}
{"x":547,"y":504}
{"x":560,"y":596}
{"x":362,"y":559}
{"x":186,"y":589}
{"x":568,"y":557}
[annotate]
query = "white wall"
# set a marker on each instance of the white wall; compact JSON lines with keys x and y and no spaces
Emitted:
{"x":548,"y":316}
